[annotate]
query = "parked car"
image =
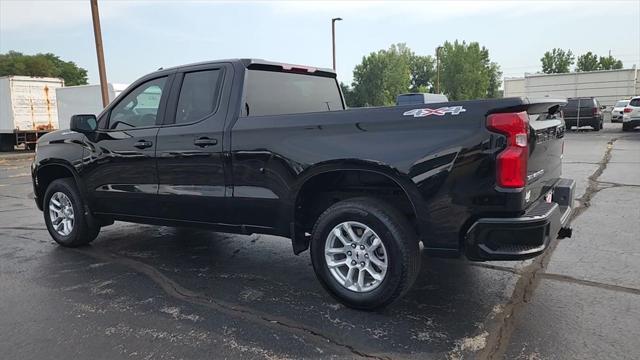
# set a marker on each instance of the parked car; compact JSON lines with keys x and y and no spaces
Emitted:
{"x":631,"y":114}
{"x":590,"y":113}
{"x":420,"y":98}
{"x":250,"y":146}
{"x":618,"y":109}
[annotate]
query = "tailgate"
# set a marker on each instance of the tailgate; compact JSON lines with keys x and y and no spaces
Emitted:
{"x":546,"y":137}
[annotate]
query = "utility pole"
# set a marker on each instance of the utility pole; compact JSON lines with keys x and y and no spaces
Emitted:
{"x":100,"y":52}
{"x":438,"y":69}
{"x":333,"y":39}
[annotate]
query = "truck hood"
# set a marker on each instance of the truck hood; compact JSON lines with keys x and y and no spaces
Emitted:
{"x":60,"y":136}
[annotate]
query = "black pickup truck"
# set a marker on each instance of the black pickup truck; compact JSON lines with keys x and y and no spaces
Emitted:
{"x":250,"y":146}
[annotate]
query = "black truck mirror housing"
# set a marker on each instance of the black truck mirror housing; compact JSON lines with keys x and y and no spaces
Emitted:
{"x":84,"y":123}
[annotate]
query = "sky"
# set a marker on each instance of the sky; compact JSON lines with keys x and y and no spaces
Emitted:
{"x":144,"y":35}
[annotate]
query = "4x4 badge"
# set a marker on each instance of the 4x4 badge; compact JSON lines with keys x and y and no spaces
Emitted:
{"x":453,"y":110}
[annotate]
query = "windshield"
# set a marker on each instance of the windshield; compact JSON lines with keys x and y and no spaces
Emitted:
{"x":622,"y":103}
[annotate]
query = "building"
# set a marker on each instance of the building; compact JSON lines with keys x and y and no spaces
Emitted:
{"x":607,"y":86}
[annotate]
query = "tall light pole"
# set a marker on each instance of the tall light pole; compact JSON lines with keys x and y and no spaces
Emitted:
{"x":99,"y":51}
{"x":333,"y":39}
{"x":438,"y":69}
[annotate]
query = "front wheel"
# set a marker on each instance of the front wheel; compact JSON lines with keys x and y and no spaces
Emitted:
{"x":365,"y":253}
{"x":67,"y":220}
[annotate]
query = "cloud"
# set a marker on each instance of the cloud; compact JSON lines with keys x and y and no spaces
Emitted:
{"x":38,"y":15}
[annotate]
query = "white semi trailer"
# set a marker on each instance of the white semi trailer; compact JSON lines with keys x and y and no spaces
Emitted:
{"x":28,"y":109}
{"x":83,"y":99}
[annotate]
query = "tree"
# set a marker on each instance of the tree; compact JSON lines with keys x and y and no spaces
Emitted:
{"x":42,"y":65}
{"x":381,"y":76}
{"x":587,"y":62}
{"x":557,"y":61}
{"x":349,"y":94}
{"x":609,"y":63}
{"x":422,"y":73}
{"x":467,"y":71}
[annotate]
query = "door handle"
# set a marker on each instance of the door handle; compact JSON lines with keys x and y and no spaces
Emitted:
{"x":143,"y":144}
{"x":204,"y":142}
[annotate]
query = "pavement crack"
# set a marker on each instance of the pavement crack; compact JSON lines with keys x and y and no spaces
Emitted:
{"x":13,"y":197}
{"x":498,"y":341}
{"x":610,"y":184}
{"x":593,"y":188}
{"x":175,"y":290}
{"x":15,"y":209}
{"x":571,"y":279}
{"x":29,"y":228}
{"x":496,"y":267}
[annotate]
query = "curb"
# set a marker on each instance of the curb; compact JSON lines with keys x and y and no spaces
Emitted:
{"x":17,"y":155}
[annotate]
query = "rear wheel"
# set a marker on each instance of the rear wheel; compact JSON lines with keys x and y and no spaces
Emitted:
{"x":68,"y":221}
{"x":365,"y":253}
{"x":597,"y":126}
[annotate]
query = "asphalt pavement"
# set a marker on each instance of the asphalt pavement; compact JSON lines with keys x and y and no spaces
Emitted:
{"x":146,"y":292}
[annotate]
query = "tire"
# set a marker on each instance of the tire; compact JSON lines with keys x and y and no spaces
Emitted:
{"x":626,"y":128}
{"x":399,"y":245}
{"x":83,"y":228}
{"x":597,"y":126}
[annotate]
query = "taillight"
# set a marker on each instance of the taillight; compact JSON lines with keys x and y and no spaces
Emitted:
{"x":595,"y":111}
{"x":627,"y":109}
{"x":511,"y":163}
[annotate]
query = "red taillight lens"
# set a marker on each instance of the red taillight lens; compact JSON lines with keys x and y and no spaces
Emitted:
{"x":511,"y":163}
{"x":627,"y":109}
{"x":595,"y":111}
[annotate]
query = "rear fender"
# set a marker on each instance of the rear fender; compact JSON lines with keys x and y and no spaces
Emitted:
{"x":301,"y":242}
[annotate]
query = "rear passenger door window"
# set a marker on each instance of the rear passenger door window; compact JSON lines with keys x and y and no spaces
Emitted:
{"x":199,"y":95}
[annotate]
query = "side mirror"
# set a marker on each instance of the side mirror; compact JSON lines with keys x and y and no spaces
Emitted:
{"x":84,"y":123}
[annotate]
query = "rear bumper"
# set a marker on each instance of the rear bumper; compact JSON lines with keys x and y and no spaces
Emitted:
{"x":526,"y":236}
{"x":584,"y":121}
{"x":633,"y":122}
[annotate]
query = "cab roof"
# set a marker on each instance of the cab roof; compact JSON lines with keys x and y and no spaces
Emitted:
{"x":250,"y":63}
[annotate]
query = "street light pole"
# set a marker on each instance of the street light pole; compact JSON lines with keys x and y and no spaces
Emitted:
{"x":438,"y":69}
{"x":99,"y":51}
{"x":333,"y":39}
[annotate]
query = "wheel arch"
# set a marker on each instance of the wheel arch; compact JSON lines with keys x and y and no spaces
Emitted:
{"x":320,"y":173}
{"x":45,"y":174}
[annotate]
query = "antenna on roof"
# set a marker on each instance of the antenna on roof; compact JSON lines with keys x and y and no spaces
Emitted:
{"x":160,"y":68}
